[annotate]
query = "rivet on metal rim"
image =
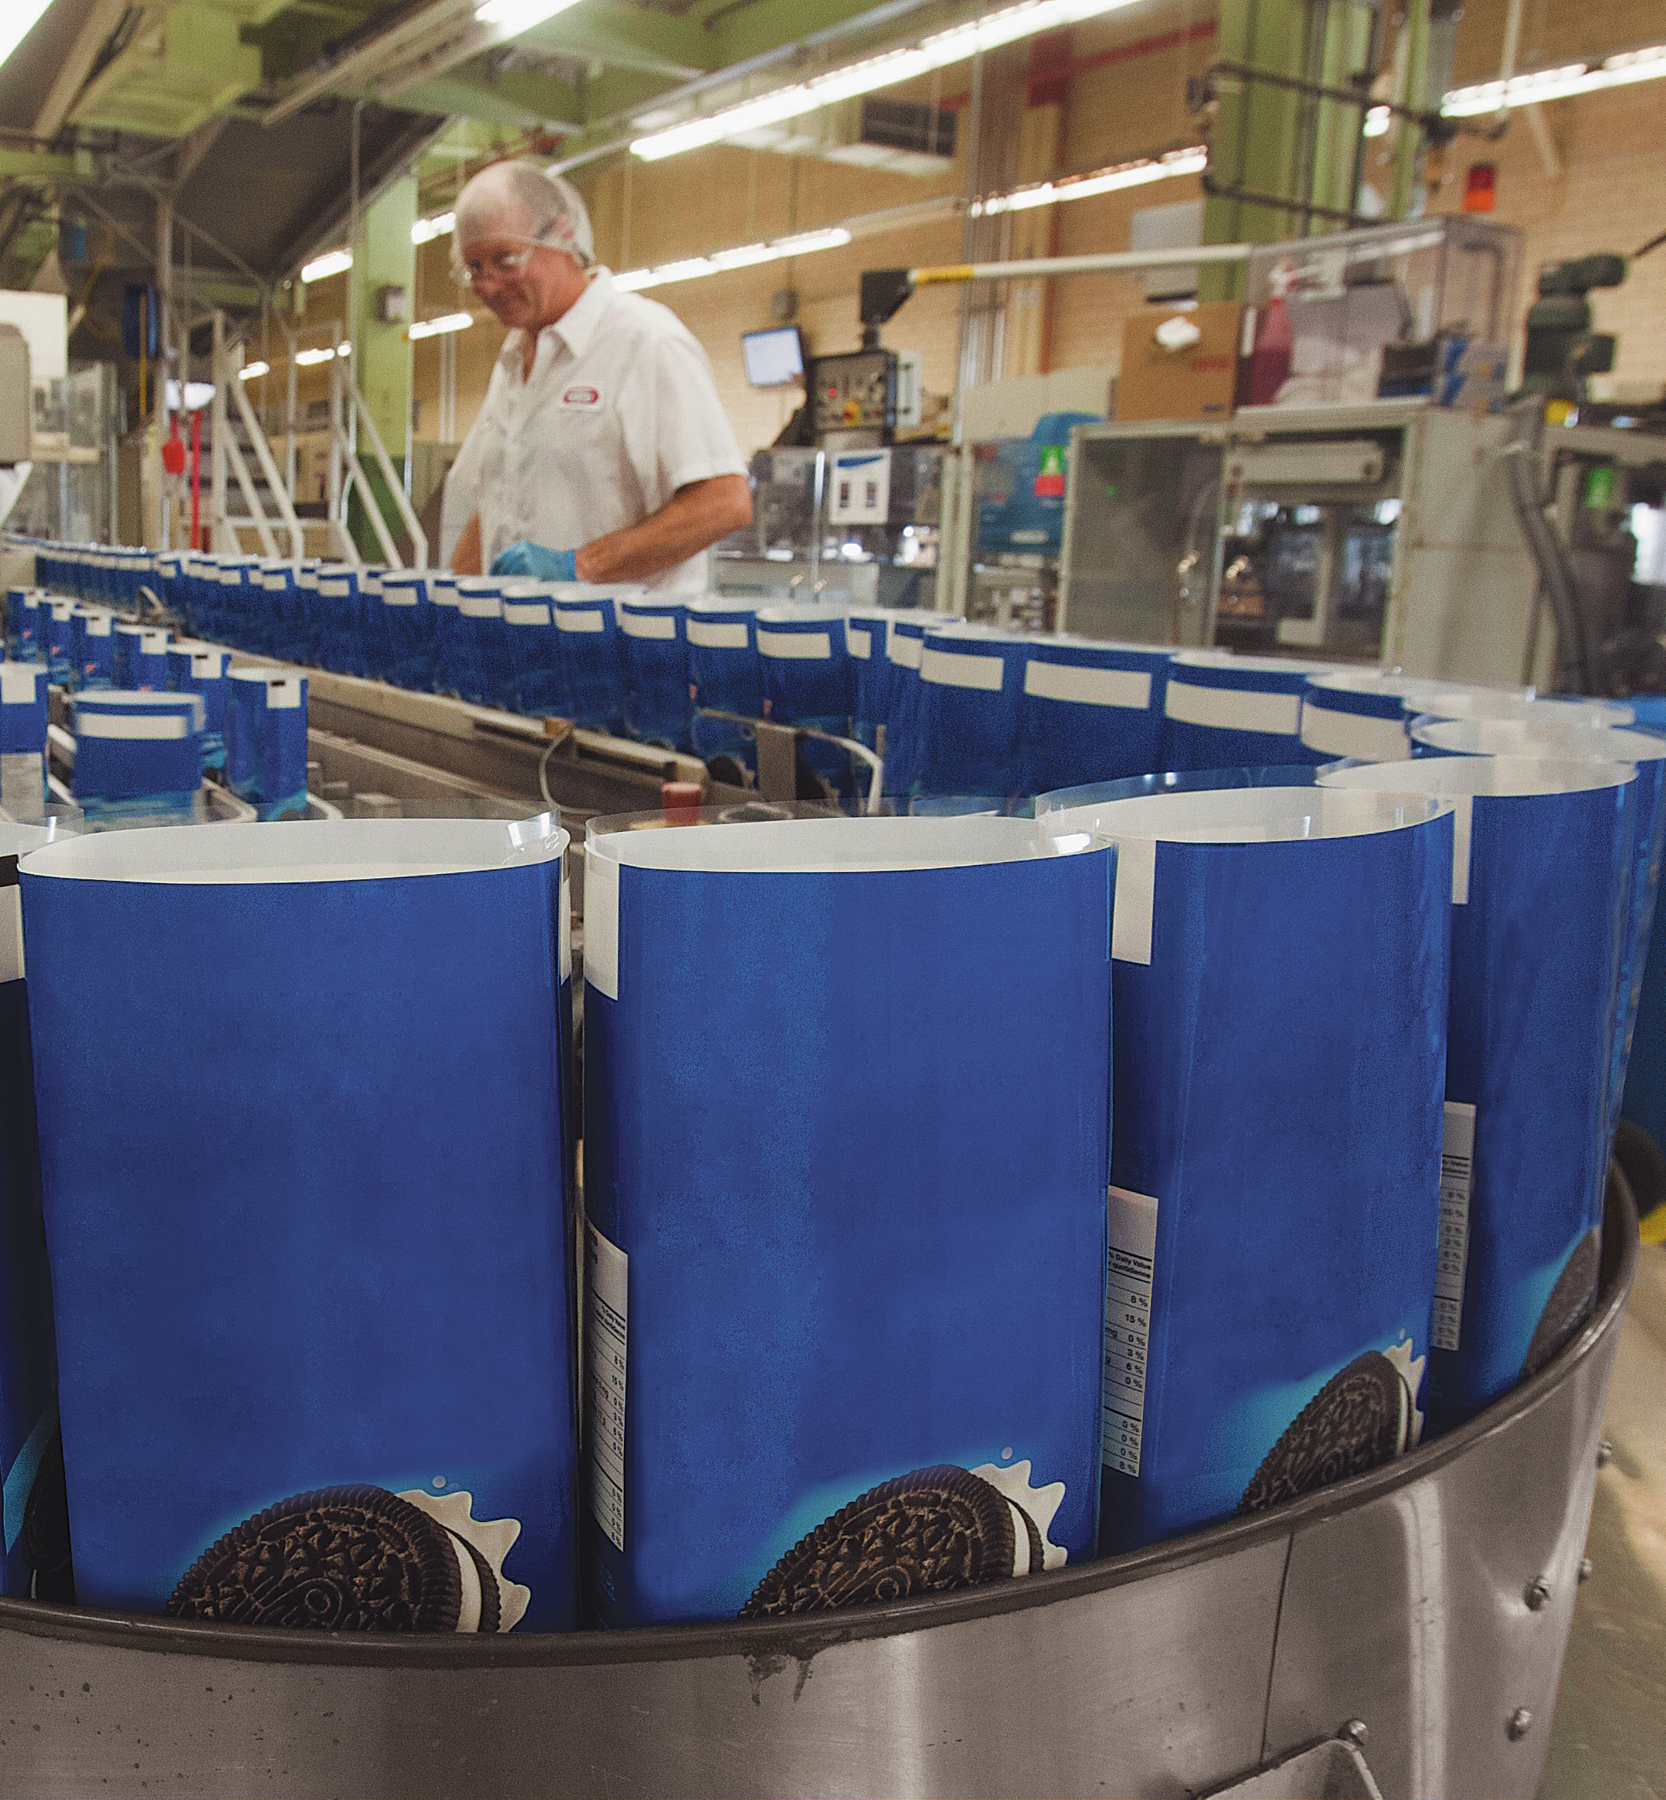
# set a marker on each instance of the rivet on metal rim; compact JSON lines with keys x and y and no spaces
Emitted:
{"x":1356,"y":1731}
{"x":1605,"y":1454}
{"x":1521,"y":1722}
{"x":1538,"y":1592}
{"x":1584,"y":1568}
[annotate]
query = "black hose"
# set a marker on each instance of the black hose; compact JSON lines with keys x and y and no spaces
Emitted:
{"x":1555,"y":565}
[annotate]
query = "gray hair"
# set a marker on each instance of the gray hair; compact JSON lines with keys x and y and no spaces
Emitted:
{"x":551,"y":210}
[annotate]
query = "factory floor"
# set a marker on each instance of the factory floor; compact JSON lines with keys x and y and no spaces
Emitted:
{"x":1608,"y":1741}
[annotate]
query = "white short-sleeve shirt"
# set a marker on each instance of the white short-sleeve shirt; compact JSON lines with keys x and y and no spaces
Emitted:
{"x":618,"y":413}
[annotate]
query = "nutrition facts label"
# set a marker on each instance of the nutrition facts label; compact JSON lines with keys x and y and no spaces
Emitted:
{"x":1132,"y":1240}
{"x":1457,"y":1158}
{"x":605,"y":1309}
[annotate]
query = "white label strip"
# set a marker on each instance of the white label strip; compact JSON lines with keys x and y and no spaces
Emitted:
{"x":1136,"y":886}
{"x":648,"y":625}
{"x":1088,"y":687}
{"x":601,"y":923}
{"x":11,"y":928}
{"x":568,"y":620}
{"x":946,"y":668}
{"x":1457,"y":1170}
{"x":132,"y":725}
{"x":1463,"y":816}
{"x":1334,"y":733}
{"x":398,"y":593}
{"x":904,"y":649}
{"x":606,"y":1344}
{"x":1131,"y":1256}
{"x":525,"y":612}
{"x":284,"y":694}
{"x":795,"y":646}
{"x":712,"y":634}
{"x":564,"y":953}
{"x":1234,"y":709}
{"x":859,"y":642}
{"x":21,"y":684}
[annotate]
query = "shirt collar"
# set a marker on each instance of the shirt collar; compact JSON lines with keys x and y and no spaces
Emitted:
{"x":575,"y":328}
{"x":577,"y":325}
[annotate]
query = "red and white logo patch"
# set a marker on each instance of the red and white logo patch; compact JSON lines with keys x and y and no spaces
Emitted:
{"x":582,"y":399}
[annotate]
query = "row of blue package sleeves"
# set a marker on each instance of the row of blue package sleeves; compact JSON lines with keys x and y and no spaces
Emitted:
{"x":963,"y":710}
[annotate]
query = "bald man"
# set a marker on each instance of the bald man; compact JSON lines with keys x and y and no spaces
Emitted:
{"x":601,"y":452}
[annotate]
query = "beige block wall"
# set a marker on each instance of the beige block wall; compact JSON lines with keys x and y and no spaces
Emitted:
{"x":1121,"y":105}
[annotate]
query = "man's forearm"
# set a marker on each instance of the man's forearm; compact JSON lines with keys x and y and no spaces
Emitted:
{"x":465,"y":559}
{"x":693,"y":519}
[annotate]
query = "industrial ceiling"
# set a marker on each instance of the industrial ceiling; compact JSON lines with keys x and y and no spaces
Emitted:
{"x":244,"y":113}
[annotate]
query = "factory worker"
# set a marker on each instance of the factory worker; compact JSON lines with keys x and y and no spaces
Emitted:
{"x":601,"y":452}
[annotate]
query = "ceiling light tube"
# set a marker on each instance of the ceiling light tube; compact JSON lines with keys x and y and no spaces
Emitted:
{"x":16,"y":22}
{"x":250,"y":371}
{"x":512,"y":17}
{"x":1190,"y":161}
{"x":307,"y":359}
{"x":1621,"y":70}
{"x":332,"y":262}
{"x":426,"y":328}
{"x":425,"y":230}
{"x":1004,"y":26}
{"x":745,"y":256}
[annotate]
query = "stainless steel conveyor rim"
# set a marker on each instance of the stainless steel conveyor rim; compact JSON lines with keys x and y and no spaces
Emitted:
{"x":802,"y":1638}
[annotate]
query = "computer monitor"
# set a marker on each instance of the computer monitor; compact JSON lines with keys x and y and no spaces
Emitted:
{"x":774,"y":358}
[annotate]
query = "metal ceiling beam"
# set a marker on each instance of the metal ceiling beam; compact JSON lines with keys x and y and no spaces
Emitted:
{"x":744,"y":31}
{"x":328,"y":229}
{"x":619,"y":37}
{"x":72,"y":74}
{"x":194,"y":148}
{"x":514,"y":97}
{"x":21,"y":162}
{"x":831,"y":22}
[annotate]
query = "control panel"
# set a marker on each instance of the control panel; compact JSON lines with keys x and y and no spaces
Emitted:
{"x":855,"y":398}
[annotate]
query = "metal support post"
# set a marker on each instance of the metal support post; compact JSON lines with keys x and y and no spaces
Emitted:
{"x":384,"y":259}
{"x":222,"y":432}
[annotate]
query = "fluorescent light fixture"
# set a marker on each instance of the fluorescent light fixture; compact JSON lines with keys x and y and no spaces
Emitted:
{"x":250,"y":371}
{"x":426,"y":328}
{"x":16,"y":22}
{"x":424,"y":230}
{"x":1377,"y":121}
{"x":746,"y":256}
{"x":1191,"y":161}
{"x":307,"y":359}
{"x":332,"y":262}
{"x":1628,"y":66}
{"x":516,"y":16}
{"x":1003,"y":26}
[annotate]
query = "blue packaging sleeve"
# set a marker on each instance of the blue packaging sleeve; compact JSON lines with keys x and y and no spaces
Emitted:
{"x":1279,"y":1021}
{"x":1539,"y":890}
{"x":812,"y":1103}
{"x":350,"y":1271}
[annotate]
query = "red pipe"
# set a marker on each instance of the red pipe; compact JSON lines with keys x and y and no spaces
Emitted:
{"x":196,"y":479}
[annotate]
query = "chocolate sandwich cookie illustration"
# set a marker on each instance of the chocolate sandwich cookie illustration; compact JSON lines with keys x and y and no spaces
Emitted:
{"x":358,"y":1559}
{"x":1364,"y":1415}
{"x":1569,"y":1304}
{"x":926,"y":1532}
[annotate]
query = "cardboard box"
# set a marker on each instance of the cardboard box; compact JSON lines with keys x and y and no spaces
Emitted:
{"x":1193,"y":383}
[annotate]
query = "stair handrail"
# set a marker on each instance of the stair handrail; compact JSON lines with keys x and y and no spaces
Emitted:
{"x":268,"y":466}
{"x":251,"y":499}
{"x":396,"y":487}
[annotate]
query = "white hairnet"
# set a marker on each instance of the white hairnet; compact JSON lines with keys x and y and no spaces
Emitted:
{"x":520,"y":199}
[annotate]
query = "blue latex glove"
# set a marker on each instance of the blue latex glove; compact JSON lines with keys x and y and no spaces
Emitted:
{"x":535,"y":562}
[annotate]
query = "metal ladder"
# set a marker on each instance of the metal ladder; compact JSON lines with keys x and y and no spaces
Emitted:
{"x":241,"y":459}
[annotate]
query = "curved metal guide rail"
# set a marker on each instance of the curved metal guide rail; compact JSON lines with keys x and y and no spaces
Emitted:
{"x":1420,"y":1611}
